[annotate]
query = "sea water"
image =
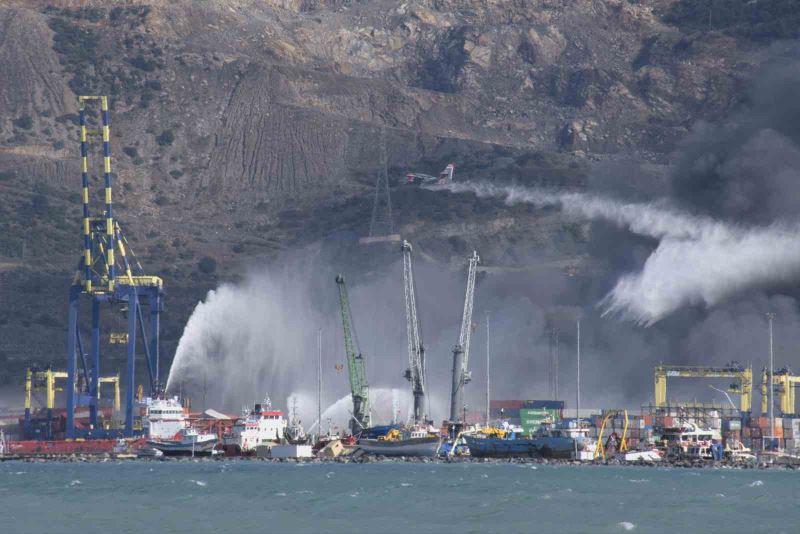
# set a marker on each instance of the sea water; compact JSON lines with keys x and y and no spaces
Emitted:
{"x":253,"y":496}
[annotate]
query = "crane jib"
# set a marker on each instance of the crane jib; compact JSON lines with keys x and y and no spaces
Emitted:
{"x":356,"y":367}
{"x":416,"y":353}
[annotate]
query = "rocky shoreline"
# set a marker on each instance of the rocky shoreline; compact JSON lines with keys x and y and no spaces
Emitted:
{"x":366,"y":459}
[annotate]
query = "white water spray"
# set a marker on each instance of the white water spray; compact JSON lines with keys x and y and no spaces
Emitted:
{"x":698,"y":260}
{"x":339,"y":412}
{"x":250,"y":339}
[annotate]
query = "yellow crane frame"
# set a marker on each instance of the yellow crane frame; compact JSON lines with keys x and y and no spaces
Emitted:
{"x":49,"y":378}
{"x":600,"y":450}
{"x":743,"y":385}
{"x":784,"y":383}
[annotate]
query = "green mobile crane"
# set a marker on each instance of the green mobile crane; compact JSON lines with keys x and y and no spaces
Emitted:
{"x":355,"y":365}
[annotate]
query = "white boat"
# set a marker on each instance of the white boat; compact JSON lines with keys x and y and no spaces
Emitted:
{"x":691,"y":441}
{"x":164,"y":418}
{"x":412,"y":442}
{"x":148,"y":452}
{"x":295,"y":434}
{"x":186,"y":442}
{"x":640,"y":456}
{"x":260,"y":426}
{"x":288,"y":450}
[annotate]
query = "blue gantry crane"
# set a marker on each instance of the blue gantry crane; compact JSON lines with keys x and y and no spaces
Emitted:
{"x":103,"y":283}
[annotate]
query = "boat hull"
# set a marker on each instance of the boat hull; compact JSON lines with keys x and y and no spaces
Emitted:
{"x":537,"y":447}
{"x":420,"y":447}
{"x":64,"y":447}
{"x":184,"y":448}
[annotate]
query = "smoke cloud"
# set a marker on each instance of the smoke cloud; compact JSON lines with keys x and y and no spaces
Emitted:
{"x":697,"y":260}
{"x":701,"y":266}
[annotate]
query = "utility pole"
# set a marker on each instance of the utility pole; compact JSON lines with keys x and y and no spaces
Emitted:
{"x":205,"y":375}
{"x":319,"y":381}
{"x":578,"y":380}
{"x":488,"y":389}
{"x":771,"y":317}
{"x":555,"y":369}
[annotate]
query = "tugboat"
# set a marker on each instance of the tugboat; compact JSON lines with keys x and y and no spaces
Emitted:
{"x":164,"y":418}
{"x":169,"y":431}
{"x":295,"y":435}
{"x":260,"y":426}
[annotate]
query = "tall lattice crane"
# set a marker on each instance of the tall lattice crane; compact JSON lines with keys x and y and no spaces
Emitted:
{"x":102,"y":282}
{"x":416,"y":351}
{"x":461,"y":373}
{"x":357,"y":371}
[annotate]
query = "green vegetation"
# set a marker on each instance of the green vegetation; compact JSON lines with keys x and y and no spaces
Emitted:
{"x":166,"y":138}
{"x":142,"y":63}
{"x":773,"y":19}
{"x":176,"y":173}
{"x":69,"y":117}
{"x":25,"y":122}
{"x":207,"y":265}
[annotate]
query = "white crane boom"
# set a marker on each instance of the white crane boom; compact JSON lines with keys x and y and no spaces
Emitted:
{"x":416,"y":352}
{"x":461,"y":374}
{"x":466,"y":320}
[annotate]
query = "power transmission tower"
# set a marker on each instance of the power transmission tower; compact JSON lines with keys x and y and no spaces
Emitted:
{"x":381,"y":226}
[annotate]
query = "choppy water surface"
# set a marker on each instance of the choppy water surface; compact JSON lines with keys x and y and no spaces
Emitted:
{"x":248,"y":496}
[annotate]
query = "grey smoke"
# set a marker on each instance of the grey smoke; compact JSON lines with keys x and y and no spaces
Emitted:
{"x":697,"y":260}
{"x":747,"y":167}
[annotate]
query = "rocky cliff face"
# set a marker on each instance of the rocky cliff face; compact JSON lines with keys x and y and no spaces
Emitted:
{"x":242,"y":127}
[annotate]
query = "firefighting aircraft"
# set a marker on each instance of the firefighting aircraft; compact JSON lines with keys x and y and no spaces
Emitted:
{"x":445,"y":177}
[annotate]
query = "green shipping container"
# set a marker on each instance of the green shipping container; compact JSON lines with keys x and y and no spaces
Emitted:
{"x":531,"y":418}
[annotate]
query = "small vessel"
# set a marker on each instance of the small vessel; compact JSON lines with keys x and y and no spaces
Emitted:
{"x":415,"y":441}
{"x":549,"y":441}
{"x":294,"y":433}
{"x":148,"y":452}
{"x":164,"y":418}
{"x":287,"y":450}
{"x":689,"y":440}
{"x":188,"y":441}
{"x":260,"y":426}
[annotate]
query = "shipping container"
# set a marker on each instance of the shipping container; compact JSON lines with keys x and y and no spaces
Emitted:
{"x":532,"y":418}
{"x":732,"y":424}
{"x":502,"y":413}
{"x":506,"y":405}
{"x":547,"y":404}
{"x":795,"y":428}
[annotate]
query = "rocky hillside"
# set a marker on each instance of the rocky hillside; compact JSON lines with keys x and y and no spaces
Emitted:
{"x":241,"y":128}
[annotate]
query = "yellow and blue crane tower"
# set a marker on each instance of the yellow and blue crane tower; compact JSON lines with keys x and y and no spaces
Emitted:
{"x":100,"y":282}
